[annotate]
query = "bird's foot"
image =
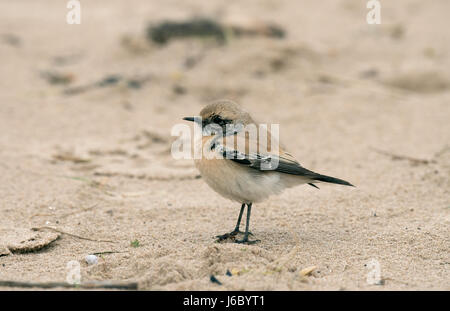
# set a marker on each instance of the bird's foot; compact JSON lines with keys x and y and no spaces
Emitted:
{"x":245,"y":240}
{"x":225,"y":236}
{"x":229,"y":235}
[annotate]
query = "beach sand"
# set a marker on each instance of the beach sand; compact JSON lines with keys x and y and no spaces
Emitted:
{"x":366,"y":103}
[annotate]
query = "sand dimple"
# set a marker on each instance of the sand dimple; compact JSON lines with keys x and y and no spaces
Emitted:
{"x":25,"y":240}
{"x":420,"y":82}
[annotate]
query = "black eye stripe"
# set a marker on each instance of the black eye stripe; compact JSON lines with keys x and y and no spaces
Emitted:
{"x":218,"y":120}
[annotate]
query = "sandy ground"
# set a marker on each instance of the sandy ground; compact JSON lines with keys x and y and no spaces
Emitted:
{"x":96,"y":164}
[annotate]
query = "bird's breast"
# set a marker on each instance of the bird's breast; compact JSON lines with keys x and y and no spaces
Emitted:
{"x":234,"y":181}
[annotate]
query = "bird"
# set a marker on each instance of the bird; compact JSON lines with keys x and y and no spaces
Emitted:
{"x":244,"y":167}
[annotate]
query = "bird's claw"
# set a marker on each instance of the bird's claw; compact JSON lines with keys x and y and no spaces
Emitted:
{"x":231,"y":234}
{"x":245,"y":240}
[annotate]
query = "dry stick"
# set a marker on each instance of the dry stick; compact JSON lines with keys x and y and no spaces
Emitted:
{"x":107,"y":253}
{"x":70,"y":234}
{"x":88,"y":285}
{"x":401,"y":157}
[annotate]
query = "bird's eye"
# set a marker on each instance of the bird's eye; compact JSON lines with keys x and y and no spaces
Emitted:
{"x":217,"y":119}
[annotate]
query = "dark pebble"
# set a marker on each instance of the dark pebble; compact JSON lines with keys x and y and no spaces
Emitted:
{"x":213,"y":279}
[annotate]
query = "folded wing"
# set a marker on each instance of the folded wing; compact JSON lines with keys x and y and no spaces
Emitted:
{"x":257,"y":154}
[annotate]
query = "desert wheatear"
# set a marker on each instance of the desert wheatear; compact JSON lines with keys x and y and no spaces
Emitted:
{"x":244,"y":167}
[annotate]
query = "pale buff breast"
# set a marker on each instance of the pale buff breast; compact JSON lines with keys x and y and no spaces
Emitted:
{"x":240,"y":183}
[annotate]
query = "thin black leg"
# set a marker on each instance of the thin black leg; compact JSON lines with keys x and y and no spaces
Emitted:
{"x":239,"y":218}
{"x":247,"y":225}
{"x":236,"y":230}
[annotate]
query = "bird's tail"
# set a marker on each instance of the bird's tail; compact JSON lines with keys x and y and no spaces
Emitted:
{"x":332,"y":180}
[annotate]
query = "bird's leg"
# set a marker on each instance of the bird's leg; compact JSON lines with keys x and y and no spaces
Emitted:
{"x":246,"y":233}
{"x":238,"y":224}
{"x":236,"y":230}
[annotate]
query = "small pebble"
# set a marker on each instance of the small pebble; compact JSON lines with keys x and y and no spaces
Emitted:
{"x":213,"y":279}
{"x":91,"y":260}
{"x":307,"y":271}
{"x":235,"y":271}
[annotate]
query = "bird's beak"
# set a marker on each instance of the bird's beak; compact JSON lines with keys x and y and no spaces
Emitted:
{"x":192,"y":119}
{"x":197,"y":120}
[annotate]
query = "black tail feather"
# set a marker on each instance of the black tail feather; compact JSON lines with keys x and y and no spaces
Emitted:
{"x":332,"y":180}
{"x":312,"y":185}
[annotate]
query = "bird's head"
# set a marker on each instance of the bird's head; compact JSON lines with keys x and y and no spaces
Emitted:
{"x":222,"y":113}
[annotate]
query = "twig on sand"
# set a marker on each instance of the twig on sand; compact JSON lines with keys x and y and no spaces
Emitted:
{"x":70,"y":234}
{"x":414,"y":161}
{"x":87,"y":285}
{"x":108,"y":252}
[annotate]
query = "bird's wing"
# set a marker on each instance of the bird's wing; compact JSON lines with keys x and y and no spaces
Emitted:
{"x":261,"y":154}
{"x":266,"y":155}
